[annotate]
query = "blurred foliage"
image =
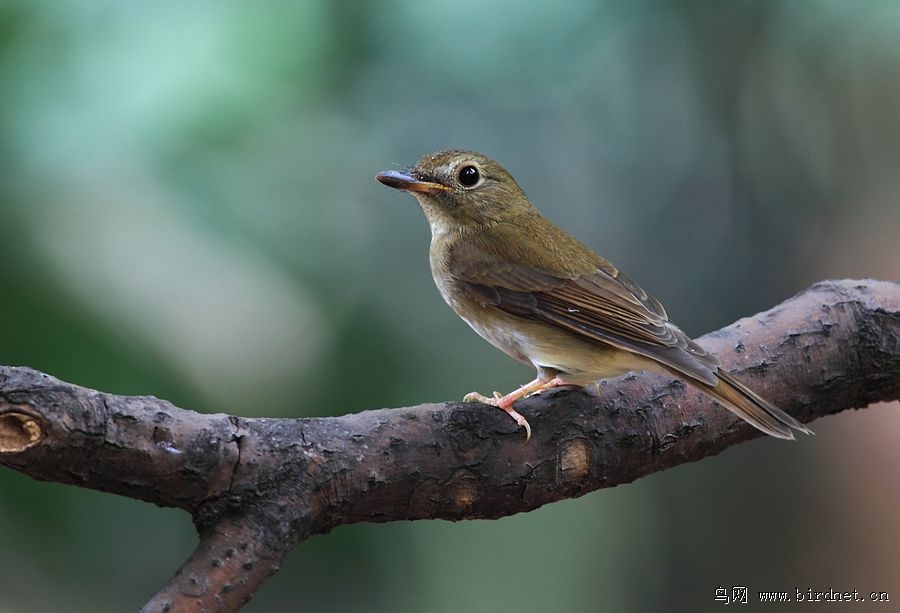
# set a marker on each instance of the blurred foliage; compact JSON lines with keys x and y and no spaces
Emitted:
{"x":188,"y":211}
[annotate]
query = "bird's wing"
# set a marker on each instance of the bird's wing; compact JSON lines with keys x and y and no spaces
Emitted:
{"x":602,"y":305}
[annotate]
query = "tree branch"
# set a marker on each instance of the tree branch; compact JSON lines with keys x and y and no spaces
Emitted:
{"x":258,"y":487}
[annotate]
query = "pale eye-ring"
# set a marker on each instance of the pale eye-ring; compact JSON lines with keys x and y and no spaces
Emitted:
{"x":468,"y":175}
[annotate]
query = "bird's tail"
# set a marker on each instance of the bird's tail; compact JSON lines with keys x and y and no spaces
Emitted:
{"x":758,"y":412}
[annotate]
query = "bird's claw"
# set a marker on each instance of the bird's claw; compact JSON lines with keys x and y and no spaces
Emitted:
{"x":521,"y":421}
{"x":476,"y":397}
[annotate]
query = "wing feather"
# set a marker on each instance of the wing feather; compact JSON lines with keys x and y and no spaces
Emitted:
{"x":603,"y":306}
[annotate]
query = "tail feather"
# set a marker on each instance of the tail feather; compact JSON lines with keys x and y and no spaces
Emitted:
{"x":749,"y":406}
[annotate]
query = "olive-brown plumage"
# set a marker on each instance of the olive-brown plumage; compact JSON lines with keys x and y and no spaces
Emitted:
{"x":545,"y":299}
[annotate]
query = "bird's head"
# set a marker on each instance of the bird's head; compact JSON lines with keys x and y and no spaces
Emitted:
{"x":460,"y":191}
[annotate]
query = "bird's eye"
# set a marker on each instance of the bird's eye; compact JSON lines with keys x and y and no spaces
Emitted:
{"x":469,"y":176}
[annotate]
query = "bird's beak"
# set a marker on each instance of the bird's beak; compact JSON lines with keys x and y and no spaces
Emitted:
{"x":399,"y":180}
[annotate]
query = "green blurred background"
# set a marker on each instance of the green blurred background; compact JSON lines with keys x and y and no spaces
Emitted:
{"x":187,"y":209}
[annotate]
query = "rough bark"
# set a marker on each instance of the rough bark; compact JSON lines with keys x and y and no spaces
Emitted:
{"x":258,"y":487}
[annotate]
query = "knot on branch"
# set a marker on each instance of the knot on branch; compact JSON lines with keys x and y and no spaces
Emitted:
{"x":19,"y":429}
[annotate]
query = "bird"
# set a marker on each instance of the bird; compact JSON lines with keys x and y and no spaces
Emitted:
{"x":547,"y":300}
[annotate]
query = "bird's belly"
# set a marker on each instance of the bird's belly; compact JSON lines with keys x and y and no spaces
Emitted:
{"x":548,"y":348}
{"x":541,"y":345}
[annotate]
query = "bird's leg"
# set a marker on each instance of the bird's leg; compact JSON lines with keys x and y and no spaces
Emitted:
{"x":505,"y":402}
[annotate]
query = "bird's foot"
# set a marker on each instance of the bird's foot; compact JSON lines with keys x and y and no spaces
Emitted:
{"x":504,"y":403}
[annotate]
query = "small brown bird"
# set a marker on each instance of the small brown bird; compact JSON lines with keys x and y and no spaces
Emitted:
{"x":545,"y":299}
